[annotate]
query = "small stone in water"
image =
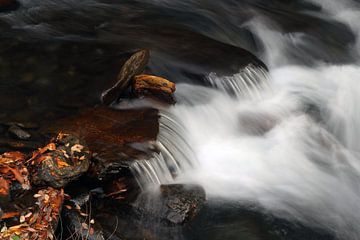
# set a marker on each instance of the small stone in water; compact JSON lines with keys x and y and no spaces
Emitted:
{"x":135,"y":65}
{"x":19,"y":133}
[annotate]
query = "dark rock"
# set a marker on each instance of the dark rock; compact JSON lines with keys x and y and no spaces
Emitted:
{"x":134,"y":66}
{"x":19,"y":133}
{"x":176,"y":204}
{"x":154,"y":87}
{"x":60,"y":162}
{"x":110,"y":135}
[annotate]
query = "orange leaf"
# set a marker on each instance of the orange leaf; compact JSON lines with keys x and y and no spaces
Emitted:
{"x":4,"y":187}
{"x":62,"y":164}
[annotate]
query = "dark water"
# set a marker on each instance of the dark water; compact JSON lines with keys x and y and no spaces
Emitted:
{"x":56,"y":57}
{"x":59,"y":55}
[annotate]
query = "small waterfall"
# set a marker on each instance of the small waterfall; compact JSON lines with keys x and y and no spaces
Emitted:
{"x":174,"y":157}
{"x":247,"y":83}
{"x":174,"y":144}
{"x":154,"y":170}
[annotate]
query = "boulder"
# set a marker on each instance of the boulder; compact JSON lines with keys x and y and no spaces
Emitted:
{"x":175,"y":203}
{"x":63,"y":160}
{"x":154,"y":87}
{"x":134,"y":66}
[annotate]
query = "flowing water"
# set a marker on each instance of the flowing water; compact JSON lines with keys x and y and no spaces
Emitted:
{"x":284,"y":140}
{"x":287,"y":141}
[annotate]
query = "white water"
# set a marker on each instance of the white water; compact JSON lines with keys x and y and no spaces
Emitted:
{"x":291,"y":145}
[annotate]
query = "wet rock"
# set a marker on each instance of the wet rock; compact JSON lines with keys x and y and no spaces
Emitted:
{"x":110,"y":135}
{"x":39,"y":220}
{"x":134,"y":66}
{"x":19,"y":133}
{"x":60,"y":162}
{"x":176,"y":204}
{"x":14,"y":176}
{"x":154,"y":87}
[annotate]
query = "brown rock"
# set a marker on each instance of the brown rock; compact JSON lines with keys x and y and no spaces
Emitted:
{"x":175,"y":203}
{"x":111,"y":135}
{"x":134,"y":66}
{"x":154,"y":87}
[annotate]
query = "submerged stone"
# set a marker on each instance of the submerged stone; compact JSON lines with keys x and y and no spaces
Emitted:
{"x":176,"y":203}
{"x":134,"y":66}
{"x":19,"y":133}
